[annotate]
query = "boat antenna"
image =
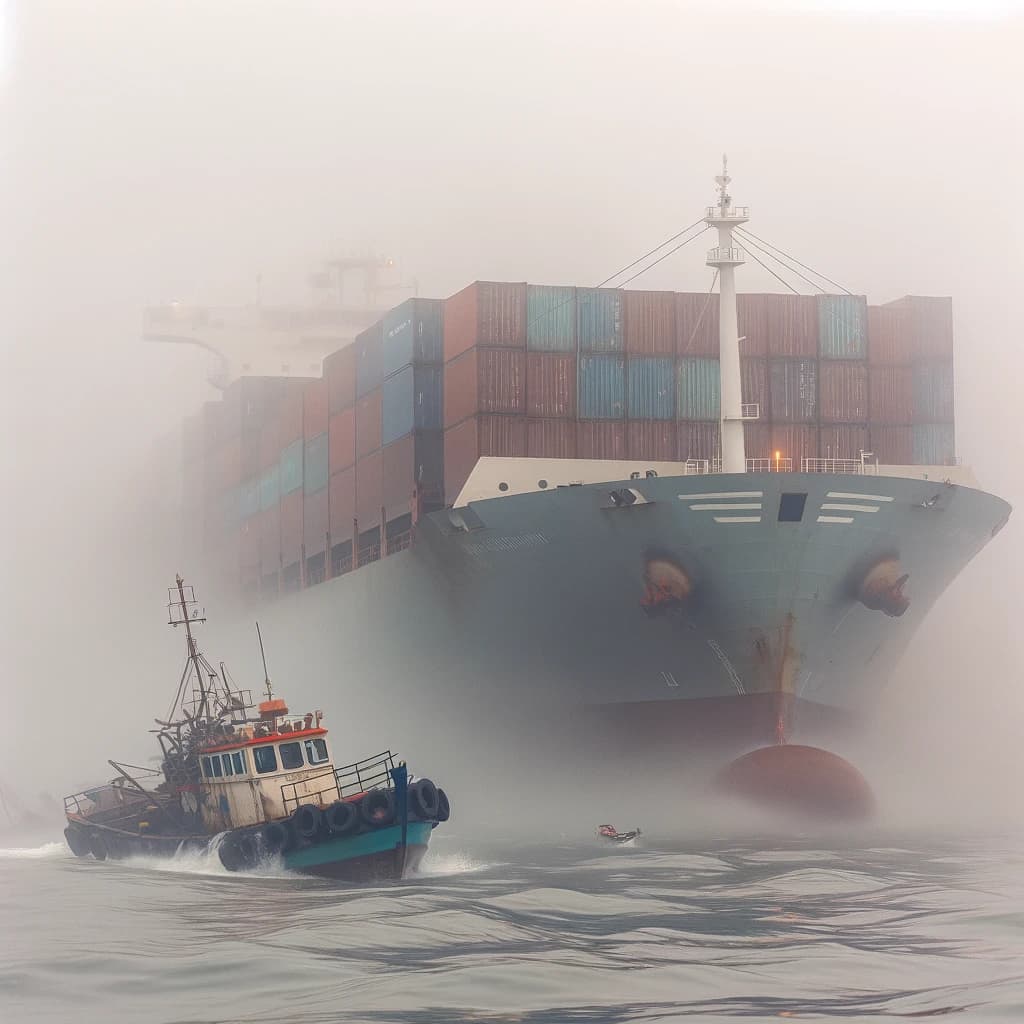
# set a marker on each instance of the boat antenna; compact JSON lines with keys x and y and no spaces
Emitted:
{"x":182,"y":606}
{"x":266,"y":671}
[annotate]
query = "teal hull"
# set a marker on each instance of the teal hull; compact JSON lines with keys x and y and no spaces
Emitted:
{"x":378,"y":854}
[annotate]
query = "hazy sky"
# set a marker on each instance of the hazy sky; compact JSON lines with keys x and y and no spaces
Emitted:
{"x":172,"y":149}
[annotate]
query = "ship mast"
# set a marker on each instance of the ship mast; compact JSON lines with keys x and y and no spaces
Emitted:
{"x":725,"y":258}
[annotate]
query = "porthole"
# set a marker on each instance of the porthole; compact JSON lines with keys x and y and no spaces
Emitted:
{"x":542,"y":484}
{"x":503,"y":486}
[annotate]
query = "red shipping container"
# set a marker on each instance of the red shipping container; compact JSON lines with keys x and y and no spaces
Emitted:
{"x":464,"y":444}
{"x":551,"y":384}
{"x":778,"y":325}
{"x":757,"y":440}
{"x":843,"y":440}
{"x":484,"y":381}
{"x":368,"y":424}
{"x":752,"y":324}
{"x":315,"y":522}
{"x":843,"y":391}
{"x":793,"y":441}
{"x":699,"y":439}
{"x":486,"y":313}
{"x":290,"y":413}
{"x":697,"y":324}
{"x":651,"y":439}
{"x":892,"y":445}
{"x":342,"y":491}
{"x":754,"y":383}
{"x":369,"y":490}
{"x":931,"y":325}
{"x":650,"y":322}
{"x":270,"y":539}
{"x":314,"y":408}
{"x":890,"y":335}
{"x":340,"y":374}
{"x":291,"y":528}
{"x":551,"y":439}
{"x":601,"y":439}
{"x":341,"y":439}
{"x":891,"y":389}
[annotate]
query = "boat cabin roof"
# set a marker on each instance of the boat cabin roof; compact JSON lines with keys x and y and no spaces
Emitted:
{"x":271,"y":737}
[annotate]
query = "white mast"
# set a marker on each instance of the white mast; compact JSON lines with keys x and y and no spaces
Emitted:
{"x":725,"y":259}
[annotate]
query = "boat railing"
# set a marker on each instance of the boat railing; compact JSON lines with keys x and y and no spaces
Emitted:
{"x":860,"y":466}
{"x":366,"y":774}
{"x":327,"y":793}
{"x":400,"y":542}
{"x":109,"y":805}
{"x":769,"y":465}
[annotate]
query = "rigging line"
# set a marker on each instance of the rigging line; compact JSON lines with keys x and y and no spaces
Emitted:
{"x":704,"y":309}
{"x":781,"y":263}
{"x":772,"y":272}
{"x":676,"y":249}
{"x":817,"y":273}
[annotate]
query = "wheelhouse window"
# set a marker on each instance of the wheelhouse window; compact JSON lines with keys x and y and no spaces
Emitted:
{"x":316,"y":750}
{"x":228,"y":770}
{"x":207,"y":770}
{"x":218,"y":772}
{"x":238,"y":757}
{"x":291,"y":756}
{"x":265,"y":759}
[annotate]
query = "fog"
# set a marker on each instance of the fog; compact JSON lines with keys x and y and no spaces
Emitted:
{"x":176,"y":150}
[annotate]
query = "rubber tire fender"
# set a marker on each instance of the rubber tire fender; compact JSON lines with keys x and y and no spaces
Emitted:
{"x":77,"y":840}
{"x":377,"y":808}
{"x":307,"y":821}
{"x":98,"y":845}
{"x":276,"y":837}
{"x":444,"y":807}
{"x":423,"y":799}
{"x":341,"y":818}
{"x":238,"y":850}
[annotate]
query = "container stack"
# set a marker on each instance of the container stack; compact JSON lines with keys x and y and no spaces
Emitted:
{"x":843,"y":332}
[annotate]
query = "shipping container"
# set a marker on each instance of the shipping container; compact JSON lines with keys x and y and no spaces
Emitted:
{"x":793,"y":390}
{"x":411,"y":400}
{"x":757,"y":440}
{"x":270,"y":444}
{"x":482,"y":380}
{"x":487,"y":313}
{"x":697,"y":324}
{"x":754,"y":388}
{"x":340,"y":374}
{"x":698,"y":389}
{"x":650,"y":388}
{"x":248,"y":499}
{"x":752,"y":325}
{"x":412,"y":335}
{"x":651,"y":439}
{"x":891,"y":391}
{"x":892,"y":445}
{"x":792,"y":325}
{"x":315,"y":522}
{"x":890,"y":336}
{"x":601,"y":440}
{"x":368,"y":415}
{"x":314,"y":408}
{"x":289,"y":417}
{"x":341,"y":443}
{"x":251,"y":456}
{"x":248,"y":402}
{"x":550,"y":318}
{"x":464,"y":444}
{"x":842,"y":326}
{"x":793,"y":441}
{"x":413,"y":467}
{"x":291,"y":468}
{"x":699,"y":440}
{"x":270,"y":488}
{"x":601,"y":391}
{"x":369,"y":360}
{"x":342,"y":491}
{"x":316,"y":466}
{"x":599,"y":320}
{"x":270,"y":539}
{"x":933,"y":392}
{"x":650,"y":322}
{"x":931,"y":325}
{"x":843,"y":388}
{"x":291,"y":528}
{"x":369,"y":489}
{"x":551,"y":384}
{"x":843,"y":440}
{"x":551,"y":438}
{"x":933,"y":444}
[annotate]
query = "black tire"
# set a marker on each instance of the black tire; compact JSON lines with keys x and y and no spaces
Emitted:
{"x":98,"y":845}
{"x":377,"y":808}
{"x":444,"y":808}
{"x":307,"y":821}
{"x":341,"y":818}
{"x":238,"y":851}
{"x":276,"y":837}
{"x":423,"y":799}
{"x":78,"y":840}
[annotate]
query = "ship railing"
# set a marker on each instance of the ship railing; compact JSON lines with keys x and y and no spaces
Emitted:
{"x":696,"y":467}
{"x":400,"y":542}
{"x":715,"y":212}
{"x":860,"y":467}
{"x":371,"y":553}
{"x":369,"y":773}
{"x":328,"y":792}
{"x":108,"y":805}
{"x":769,"y":465}
{"x":340,"y":566}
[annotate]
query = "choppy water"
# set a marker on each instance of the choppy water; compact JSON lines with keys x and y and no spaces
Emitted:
{"x":568,"y":932}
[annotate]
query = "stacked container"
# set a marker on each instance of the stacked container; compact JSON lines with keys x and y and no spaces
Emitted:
{"x":843,"y":332}
{"x":340,"y":375}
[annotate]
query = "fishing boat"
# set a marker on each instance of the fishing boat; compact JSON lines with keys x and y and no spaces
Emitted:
{"x":254,"y":782}
{"x":610,"y":834}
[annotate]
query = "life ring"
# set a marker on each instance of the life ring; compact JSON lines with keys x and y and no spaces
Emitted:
{"x":98,"y":845}
{"x":377,"y":808}
{"x":423,"y":797}
{"x":238,"y":850}
{"x":276,"y":836}
{"x":307,"y":821}
{"x":342,"y":818}
{"x":78,"y":840}
{"x":444,"y":808}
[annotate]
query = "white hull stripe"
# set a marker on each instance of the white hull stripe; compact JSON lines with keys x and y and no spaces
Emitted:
{"x":835,"y":519}
{"x":837,"y":506}
{"x":738,"y":519}
{"x":860,"y":497}
{"x":725,"y":506}
{"x":722,"y":494}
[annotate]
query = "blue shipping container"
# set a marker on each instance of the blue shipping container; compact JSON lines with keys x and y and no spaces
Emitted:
{"x":412,"y":400}
{"x":651,"y":393}
{"x":599,"y":319}
{"x":412,"y":334}
{"x":550,"y":318}
{"x":248,"y":498}
{"x":369,"y":360}
{"x":842,"y":326}
{"x":699,"y":389}
{"x":933,"y":444}
{"x":933,"y":391}
{"x":602,"y":387}
{"x":291,"y":468}
{"x":315,"y":471}
{"x":270,"y":488}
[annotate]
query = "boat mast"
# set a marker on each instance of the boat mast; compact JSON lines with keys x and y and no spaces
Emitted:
{"x":725,"y":258}
{"x":193,"y":651}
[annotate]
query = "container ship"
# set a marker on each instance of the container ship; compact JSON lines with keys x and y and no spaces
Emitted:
{"x":705,"y":520}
